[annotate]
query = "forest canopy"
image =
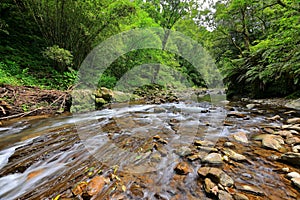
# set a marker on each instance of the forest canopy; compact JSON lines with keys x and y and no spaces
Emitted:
{"x":255,"y":44}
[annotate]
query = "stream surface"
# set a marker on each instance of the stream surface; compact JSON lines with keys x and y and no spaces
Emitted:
{"x":137,"y":147}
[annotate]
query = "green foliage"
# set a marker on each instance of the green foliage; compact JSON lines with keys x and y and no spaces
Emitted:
{"x":60,"y":56}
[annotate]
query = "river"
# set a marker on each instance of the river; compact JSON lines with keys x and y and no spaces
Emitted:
{"x":150,"y":152}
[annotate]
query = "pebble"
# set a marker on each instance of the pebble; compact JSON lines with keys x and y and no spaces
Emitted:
{"x":182,"y":168}
{"x":251,"y":189}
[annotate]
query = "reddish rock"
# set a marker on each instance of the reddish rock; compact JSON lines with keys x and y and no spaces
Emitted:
{"x":95,"y":185}
{"x":182,"y":168}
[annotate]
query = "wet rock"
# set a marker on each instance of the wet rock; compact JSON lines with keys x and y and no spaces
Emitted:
{"x":224,"y":195}
{"x":213,"y":158}
{"x":196,"y":156}
{"x":203,"y":171}
{"x":182,"y":168}
{"x":229,"y":145}
{"x":159,"y":110}
{"x":203,"y":143}
{"x":295,"y":104}
{"x":291,"y":157}
{"x":34,"y":174}
{"x":79,"y":189}
{"x":207,"y":149}
{"x":276,"y":117}
{"x":216,"y":175}
{"x":210,"y":187}
{"x":273,"y":142}
{"x":292,"y":140}
{"x":183,"y":151}
{"x":269,"y":130}
{"x":95,"y":185}
{"x":233,"y":155}
{"x":236,"y":114}
{"x":296,"y":149}
{"x":296,"y":182}
{"x":293,"y":175}
{"x":156,"y":157}
{"x":295,"y":120}
{"x":239,"y":196}
{"x":284,"y":133}
{"x":251,"y":106}
{"x":251,"y":189}
{"x":241,"y":137}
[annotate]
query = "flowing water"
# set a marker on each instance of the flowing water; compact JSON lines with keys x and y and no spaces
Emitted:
{"x":140,"y":145}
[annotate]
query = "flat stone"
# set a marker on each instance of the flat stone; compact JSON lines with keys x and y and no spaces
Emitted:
{"x":203,"y":171}
{"x":224,"y":195}
{"x":213,"y":158}
{"x":291,"y":157}
{"x":295,"y":120}
{"x":273,"y":142}
{"x":251,"y":189}
{"x":233,"y":155}
{"x":241,"y":137}
{"x":296,"y":182}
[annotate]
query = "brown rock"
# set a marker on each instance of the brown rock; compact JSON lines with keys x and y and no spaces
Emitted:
{"x":273,"y":142}
{"x":213,"y":158}
{"x":296,"y":182}
{"x":182,"y":168}
{"x":95,"y":185}
{"x":295,"y":120}
{"x":79,"y":188}
{"x":233,"y":155}
{"x":210,"y":187}
{"x":236,"y":114}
